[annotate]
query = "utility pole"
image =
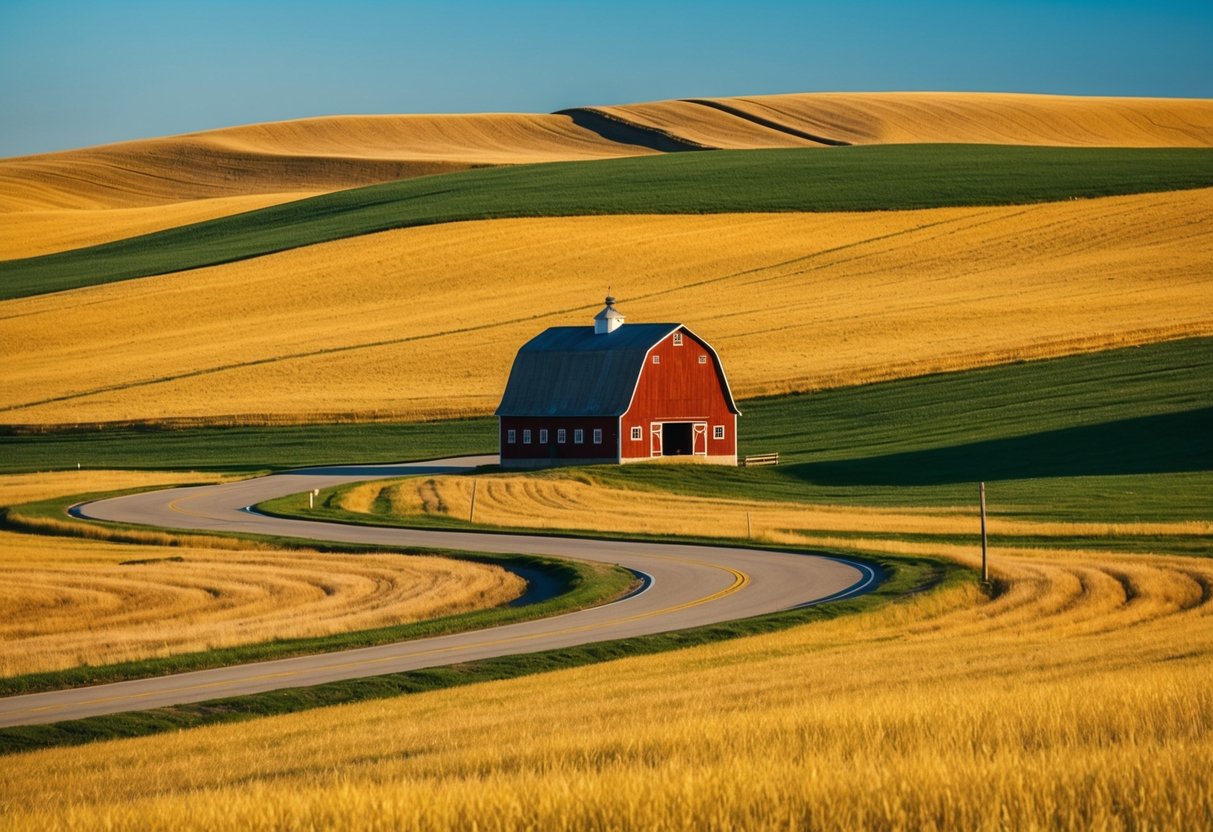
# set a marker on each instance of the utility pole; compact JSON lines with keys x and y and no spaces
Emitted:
{"x":985,"y":567}
{"x":472,"y":513}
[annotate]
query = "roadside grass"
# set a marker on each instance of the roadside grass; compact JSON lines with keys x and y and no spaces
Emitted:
{"x":904,"y":577}
{"x":885,"y":177}
{"x":556,"y":586}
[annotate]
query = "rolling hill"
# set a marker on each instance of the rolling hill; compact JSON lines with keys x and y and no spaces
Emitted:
{"x":279,"y":161}
{"x":792,"y":301}
{"x":845,"y":179}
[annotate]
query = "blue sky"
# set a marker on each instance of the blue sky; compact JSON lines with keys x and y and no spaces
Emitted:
{"x":74,"y":74}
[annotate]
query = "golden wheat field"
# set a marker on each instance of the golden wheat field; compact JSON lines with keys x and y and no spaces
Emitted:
{"x":1077,"y":698}
{"x":930,"y":117}
{"x":31,"y":233}
{"x":67,"y":601}
{"x":791,"y":301}
{"x":576,"y":501}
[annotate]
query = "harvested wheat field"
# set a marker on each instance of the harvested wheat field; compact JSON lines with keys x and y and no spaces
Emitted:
{"x":577,"y":502}
{"x":66,"y":601}
{"x":792,"y":302}
{"x":31,"y":233}
{"x":308,"y":155}
{"x":912,"y":117}
{"x":1101,"y":717}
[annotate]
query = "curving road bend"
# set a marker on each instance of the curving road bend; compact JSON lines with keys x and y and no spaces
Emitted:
{"x":688,"y":586}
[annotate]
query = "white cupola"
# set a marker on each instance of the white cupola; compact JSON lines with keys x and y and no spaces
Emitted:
{"x":609,"y":319}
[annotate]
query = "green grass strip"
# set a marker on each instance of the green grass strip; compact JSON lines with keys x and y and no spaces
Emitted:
{"x":882,"y":177}
{"x":905,"y":576}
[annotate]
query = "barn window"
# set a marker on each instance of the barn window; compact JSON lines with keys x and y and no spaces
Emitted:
{"x":678,"y":339}
{"x":597,"y":436}
{"x":526,"y":437}
{"x":511,"y":436}
{"x":657,"y":359}
{"x":578,"y":436}
{"x":637,"y":434}
{"x":543,"y":436}
{"x":562,"y":435}
{"x":718,"y":432}
{"x":703,"y":359}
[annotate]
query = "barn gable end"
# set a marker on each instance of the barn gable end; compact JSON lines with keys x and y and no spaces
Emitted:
{"x":612,"y":393}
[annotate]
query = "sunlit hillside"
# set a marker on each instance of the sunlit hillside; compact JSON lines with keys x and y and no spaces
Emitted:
{"x":792,"y":302}
{"x":306,"y":155}
{"x":881,"y":118}
{"x":30,"y":233}
{"x":57,"y":201}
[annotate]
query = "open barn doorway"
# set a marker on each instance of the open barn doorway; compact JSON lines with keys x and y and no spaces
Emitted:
{"x":676,"y":439}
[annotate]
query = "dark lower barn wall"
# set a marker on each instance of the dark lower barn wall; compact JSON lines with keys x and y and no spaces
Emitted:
{"x":538,"y":453}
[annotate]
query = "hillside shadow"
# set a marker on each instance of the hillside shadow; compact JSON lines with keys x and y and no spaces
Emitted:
{"x":622,"y":132}
{"x":1162,"y":444}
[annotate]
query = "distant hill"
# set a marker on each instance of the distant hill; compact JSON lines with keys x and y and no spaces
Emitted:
{"x":331,"y":153}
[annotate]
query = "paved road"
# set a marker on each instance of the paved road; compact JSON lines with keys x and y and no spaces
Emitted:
{"x":688,"y":586}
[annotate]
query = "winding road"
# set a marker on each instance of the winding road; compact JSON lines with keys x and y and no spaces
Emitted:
{"x":688,"y":586}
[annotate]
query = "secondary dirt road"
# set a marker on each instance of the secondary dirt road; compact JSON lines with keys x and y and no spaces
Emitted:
{"x":688,"y":586}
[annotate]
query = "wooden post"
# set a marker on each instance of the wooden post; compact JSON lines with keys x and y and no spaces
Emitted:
{"x":985,"y":568}
{"x":472,"y":513}
{"x":749,"y":532}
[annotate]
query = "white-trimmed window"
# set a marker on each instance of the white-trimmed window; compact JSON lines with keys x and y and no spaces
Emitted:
{"x":543,"y":436}
{"x":678,"y":339}
{"x":718,"y":431}
{"x":526,"y":437}
{"x":562,"y":436}
{"x":657,"y":359}
{"x":578,"y":436}
{"x":511,"y":436}
{"x":637,"y":434}
{"x":597,"y":436}
{"x":703,"y":359}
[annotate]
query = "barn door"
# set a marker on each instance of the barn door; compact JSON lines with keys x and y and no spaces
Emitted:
{"x":655,"y":439}
{"x":699,"y":440}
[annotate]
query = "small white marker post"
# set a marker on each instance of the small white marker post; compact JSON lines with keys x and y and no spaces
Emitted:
{"x":311,"y":497}
{"x":985,"y":569}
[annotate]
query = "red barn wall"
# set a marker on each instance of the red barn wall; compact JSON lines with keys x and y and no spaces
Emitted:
{"x":521,"y":455}
{"x":680,"y":389}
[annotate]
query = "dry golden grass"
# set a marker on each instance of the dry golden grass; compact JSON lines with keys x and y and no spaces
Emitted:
{"x":1078,"y":698}
{"x":318,"y":154}
{"x":66,"y":601}
{"x":31,"y":233}
{"x":904,"y":117}
{"x":791,"y":301}
{"x":576,"y":502}
{"x":27,"y":488}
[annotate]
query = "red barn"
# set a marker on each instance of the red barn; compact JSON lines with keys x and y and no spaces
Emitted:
{"x":613,"y":393}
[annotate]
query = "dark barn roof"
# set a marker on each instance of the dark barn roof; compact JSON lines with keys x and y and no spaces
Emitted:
{"x":571,"y":371}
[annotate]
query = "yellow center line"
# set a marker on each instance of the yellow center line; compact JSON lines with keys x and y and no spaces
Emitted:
{"x":740,"y":581}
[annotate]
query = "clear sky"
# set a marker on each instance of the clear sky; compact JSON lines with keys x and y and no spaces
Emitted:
{"x":81,"y":73}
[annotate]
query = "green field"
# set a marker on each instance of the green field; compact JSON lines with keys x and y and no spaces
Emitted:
{"x":1119,"y":435}
{"x":838,"y":179}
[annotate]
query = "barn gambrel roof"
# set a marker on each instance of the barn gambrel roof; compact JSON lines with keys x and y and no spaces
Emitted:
{"x":571,"y":371}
